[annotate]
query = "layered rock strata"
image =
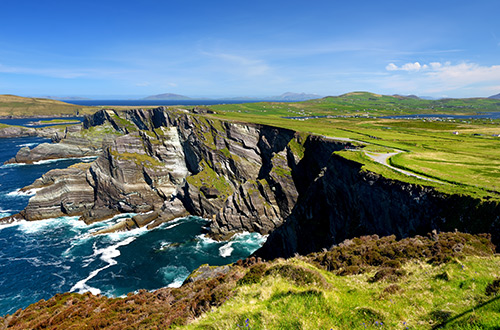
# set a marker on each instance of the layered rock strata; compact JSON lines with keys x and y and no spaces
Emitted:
{"x":165,"y":164}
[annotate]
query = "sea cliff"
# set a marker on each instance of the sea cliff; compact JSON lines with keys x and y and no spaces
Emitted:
{"x":164,"y":164}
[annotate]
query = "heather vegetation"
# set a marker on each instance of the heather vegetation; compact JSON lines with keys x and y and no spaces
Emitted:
{"x":447,"y":280}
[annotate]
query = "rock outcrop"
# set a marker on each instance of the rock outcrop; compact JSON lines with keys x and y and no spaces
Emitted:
{"x":70,"y":142}
{"x":17,"y":131}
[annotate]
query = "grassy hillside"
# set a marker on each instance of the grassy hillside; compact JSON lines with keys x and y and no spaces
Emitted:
{"x":462,"y":155}
{"x":446,"y":281}
{"x":11,"y":105}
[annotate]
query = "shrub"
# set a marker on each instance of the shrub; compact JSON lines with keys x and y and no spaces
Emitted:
{"x":298,"y":275}
{"x":254,"y":274}
{"x":389,"y":274}
{"x":393,"y":288}
{"x":493,"y":288}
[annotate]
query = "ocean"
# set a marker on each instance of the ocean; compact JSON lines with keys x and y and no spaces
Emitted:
{"x":159,"y":102}
{"x":42,"y":258}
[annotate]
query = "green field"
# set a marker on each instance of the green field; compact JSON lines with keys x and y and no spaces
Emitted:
{"x":16,"y":106}
{"x":59,"y":121}
{"x":461,"y":154}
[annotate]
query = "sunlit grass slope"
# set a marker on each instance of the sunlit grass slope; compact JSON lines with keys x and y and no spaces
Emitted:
{"x":11,"y":105}
{"x":340,"y":290}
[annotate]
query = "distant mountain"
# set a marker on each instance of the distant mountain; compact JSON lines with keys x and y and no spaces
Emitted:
{"x":167,"y":96}
{"x":415,"y":97}
{"x":289,"y":96}
{"x":495,"y":97}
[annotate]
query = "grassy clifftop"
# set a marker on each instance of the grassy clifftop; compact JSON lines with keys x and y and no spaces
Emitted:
{"x":17,"y":106}
{"x":456,"y":155}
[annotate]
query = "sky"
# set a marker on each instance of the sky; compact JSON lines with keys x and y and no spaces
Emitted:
{"x":129,"y":49}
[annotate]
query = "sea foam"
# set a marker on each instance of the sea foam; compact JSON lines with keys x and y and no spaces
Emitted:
{"x":108,"y":255}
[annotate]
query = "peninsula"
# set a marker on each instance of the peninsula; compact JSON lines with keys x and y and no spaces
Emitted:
{"x":305,"y":174}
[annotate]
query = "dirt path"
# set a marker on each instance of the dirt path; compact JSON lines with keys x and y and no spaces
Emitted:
{"x":382,"y":158}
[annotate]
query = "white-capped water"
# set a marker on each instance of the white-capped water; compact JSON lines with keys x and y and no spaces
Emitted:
{"x":41,"y":258}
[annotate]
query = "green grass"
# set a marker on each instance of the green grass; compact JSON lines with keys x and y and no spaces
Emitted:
{"x":11,"y":105}
{"x":139,"y":159}
{"x":59,"y":121}
{"x":468,"y":161}
{"x":444,"y":281}
{"x":421,"y":300}
{"x":208,"y":178}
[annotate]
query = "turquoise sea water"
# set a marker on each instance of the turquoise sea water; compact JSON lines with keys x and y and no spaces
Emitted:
{"x":42,"y":258}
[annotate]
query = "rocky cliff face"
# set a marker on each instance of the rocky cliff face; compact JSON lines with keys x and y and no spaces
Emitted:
{"x":172,"y":164}
{"x":344,"y":201}
{"x":164,"y":164}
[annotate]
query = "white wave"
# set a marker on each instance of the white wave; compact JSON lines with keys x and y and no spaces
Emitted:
{"x":107,"y":255}
{"x":85,"y":159}
{"x":245,"y":240}
{"x":11,"y":224}
{"x":61,"y":283}
{"x":204,"y":239}
{"x":47,"y":161}
{"x":172,"y":223}
{"x":31,"y":227}
{"x":18,"y":192}
{"x":164,"y":245}
{"x":5,"y":213}
{"x":179,"y":275}
{"x":37,"y":262}
{"x":118,"y":236}
{"x":226,"y":250}
{"x":12,"y":165}
{"x":246,"y":237}
{"x":27,"y":144}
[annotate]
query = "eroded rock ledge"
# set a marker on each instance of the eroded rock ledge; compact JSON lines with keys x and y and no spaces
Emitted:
{"x":165,"y":164}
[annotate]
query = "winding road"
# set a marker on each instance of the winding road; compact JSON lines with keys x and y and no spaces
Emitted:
{"x":383,"y":157}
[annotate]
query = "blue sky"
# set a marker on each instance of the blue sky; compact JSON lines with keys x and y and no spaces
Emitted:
{"x":125,"y":49}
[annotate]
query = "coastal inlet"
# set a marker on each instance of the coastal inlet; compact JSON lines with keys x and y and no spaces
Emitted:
{"x":42,"y":258}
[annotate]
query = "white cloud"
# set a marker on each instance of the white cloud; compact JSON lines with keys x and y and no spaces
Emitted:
{"x":410,"y":67}
{"x":437,"y":77}
{"x":466,"y":73}
{"x":391,"y":67}
{"x":435,"y":65}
